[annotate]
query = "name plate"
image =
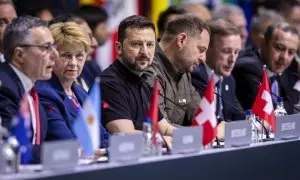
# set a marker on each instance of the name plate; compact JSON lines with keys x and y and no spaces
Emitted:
{"x":60,"y":154}
{"x":237,"y":133}
{"x":125,"y":147}
{"x":287,"y":127}
{"x":187,"y":140}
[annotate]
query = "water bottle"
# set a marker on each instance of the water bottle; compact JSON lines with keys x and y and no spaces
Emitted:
{"x":280,"y":110}
{"x":255,"y":126}
{"x":147,"y":133}
{"x":158,"y":147}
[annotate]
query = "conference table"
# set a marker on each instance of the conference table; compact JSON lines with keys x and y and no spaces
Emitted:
{"x":267,"y":160}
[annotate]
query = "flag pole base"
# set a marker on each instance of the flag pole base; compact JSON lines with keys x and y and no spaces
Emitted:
{"x":268,"y":139}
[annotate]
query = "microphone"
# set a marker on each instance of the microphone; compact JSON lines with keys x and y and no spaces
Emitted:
{"x":226,"y":100}
{"x":178,"y":105}
{"x":105,"y":105}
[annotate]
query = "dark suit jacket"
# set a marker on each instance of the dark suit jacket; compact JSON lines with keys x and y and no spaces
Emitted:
{"x":89,"y":72}
{"x":60,"y":111}
{"x":248,"y":73}
{"x":229,"y":101}
{"x":11,"y":93}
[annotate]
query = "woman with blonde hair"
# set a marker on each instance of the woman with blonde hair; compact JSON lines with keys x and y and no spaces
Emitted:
{"x":60,"y":96}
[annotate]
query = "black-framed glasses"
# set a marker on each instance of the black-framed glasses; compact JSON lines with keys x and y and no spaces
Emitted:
{"x":45,"y":47}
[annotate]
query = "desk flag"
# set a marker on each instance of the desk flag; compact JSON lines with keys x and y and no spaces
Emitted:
{"x":21,"y":129}
{"x":205,"y":115}
{"x":87,"y":126}
{"x":263,"y":106}
{"x":153,"y":111}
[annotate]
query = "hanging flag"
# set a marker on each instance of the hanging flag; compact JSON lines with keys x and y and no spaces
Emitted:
{"x":91,"y":2}
{"x":152,"y":114}
{"x":157,"y":6}
{"x":263,"y":105}
{"x":21,"y":129}
{"x":205,"y":115}
{"x":87,"y":126}
{"x":117,"y":11}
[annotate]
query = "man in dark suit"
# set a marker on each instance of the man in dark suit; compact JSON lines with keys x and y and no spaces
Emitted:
{"x":29,"y":53}
{"x":277,"y":52}
{"x":225,"y":44}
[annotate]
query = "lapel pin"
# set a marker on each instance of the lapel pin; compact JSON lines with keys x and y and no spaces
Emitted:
{"x":226,"y":87}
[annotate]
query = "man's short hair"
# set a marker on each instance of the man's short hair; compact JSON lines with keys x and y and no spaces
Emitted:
{"x":226,"y":11}
{"x":66,"y":18}
{"x":6,"y":2}
{"x":266,"y":16}
{"x":187,"y":23}
{"x":134,"y":21}
{"x":285,"y":7}
{"x":18,"y":33}
{"x":93,"y":15}
{"x":285,"y":27}
{"x":162,"y":19}
{"x":222,"y":27}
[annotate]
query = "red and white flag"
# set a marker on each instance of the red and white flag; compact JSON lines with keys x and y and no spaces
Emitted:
{"x":153,"y":110}
{"x":263,"y":105}
{"x":205,"y":114}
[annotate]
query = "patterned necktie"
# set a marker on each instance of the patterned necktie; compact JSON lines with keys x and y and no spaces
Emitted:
{"x":75,"y":102}
{"x":274,"y":88}
{"x":35,"y":98}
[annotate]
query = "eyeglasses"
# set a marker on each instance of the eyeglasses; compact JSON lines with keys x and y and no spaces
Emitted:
{"x":67,"y":57}
{"x":45,"y":47}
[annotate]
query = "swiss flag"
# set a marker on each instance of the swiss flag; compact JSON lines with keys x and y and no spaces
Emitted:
{"x":263,"y":106}
{"x":205,"y":115}
{"x":153,"y":110}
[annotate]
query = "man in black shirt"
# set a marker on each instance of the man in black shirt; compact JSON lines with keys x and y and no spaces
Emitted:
{"x":122,"y":83}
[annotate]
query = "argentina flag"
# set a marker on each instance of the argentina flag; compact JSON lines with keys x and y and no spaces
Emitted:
{"x":87,"y":126}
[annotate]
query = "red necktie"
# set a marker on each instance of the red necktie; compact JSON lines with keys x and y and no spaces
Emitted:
{"x":35,"y":98}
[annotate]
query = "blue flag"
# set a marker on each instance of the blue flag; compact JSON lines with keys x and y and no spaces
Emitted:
{"x":87,"y":126}
{"x":21,"y":129}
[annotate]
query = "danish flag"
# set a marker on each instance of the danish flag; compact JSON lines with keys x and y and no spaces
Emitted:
{"x":263,"y":106}
{"x":205,"y":115}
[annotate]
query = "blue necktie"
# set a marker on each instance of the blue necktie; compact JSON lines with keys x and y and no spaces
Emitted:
{"x":274,"y":88}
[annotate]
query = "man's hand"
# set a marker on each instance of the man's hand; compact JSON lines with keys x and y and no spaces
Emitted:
{"x":98,"y":153}
{"x":221,"y":130}
{"x":168,"y":141}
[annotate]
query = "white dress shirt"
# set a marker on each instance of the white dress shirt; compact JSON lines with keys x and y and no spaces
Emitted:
{"x":28,"y":85}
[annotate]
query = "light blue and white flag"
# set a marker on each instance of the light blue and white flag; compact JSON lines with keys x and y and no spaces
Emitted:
{"x":87,"y":125}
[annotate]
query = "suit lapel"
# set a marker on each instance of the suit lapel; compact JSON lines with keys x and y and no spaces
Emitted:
{"x":69,"y":106}
{"x":43,"y":123}
{"x":204,"y":73}
{"x":14,"y":76}
{"x":203,"y":77}
{"x":21,"y":91}
{"x":80,"y":93}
